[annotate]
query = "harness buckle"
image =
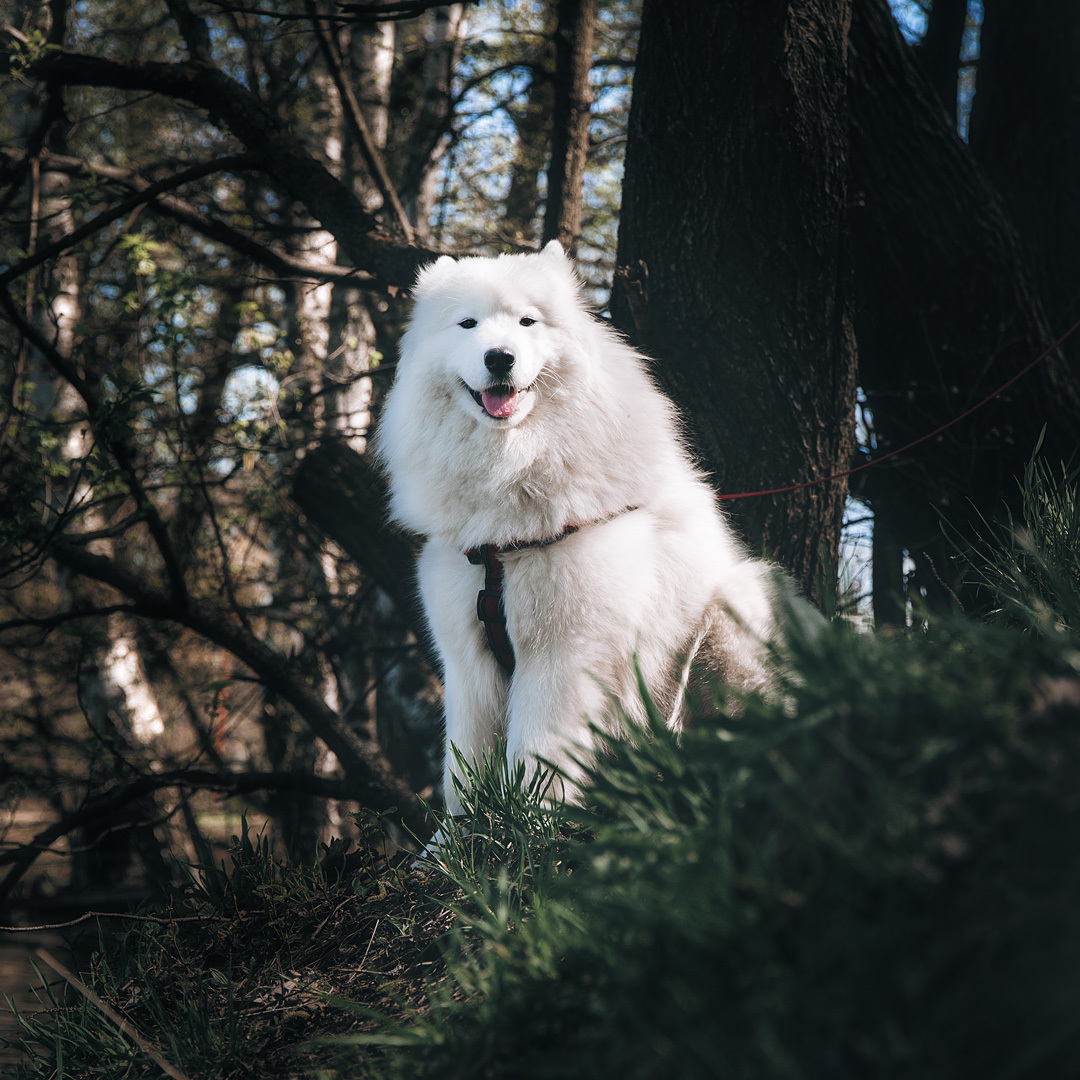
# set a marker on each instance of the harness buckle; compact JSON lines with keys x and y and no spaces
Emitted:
{"x":489,"y":606}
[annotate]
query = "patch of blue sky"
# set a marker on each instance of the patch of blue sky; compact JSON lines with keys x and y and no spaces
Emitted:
{"x":856,"y":563}
{"x":969,"y":57}
{"x":865,"y":438}
{"x":911,"y":16}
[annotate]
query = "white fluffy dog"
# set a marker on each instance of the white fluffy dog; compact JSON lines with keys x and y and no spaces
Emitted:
{"x":526,"y":433}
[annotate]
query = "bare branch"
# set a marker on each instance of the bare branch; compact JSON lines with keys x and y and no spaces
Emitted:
{"x":234,"y":162}
{"x":194,"y":30}
{"x":99,"y":423}
{"x":355,"y":13}
{"x":14,"y":33}
{"x":370,"y":780}
{"x":124,"y":1025}
{"x":283,"y":156}
{"x":51,"y":622}
{"x":105,"y":807}
{"x":403,"y":9}
{"x":281,"y":263}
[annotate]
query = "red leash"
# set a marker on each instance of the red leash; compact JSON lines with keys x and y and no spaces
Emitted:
{"x":922,"y":438}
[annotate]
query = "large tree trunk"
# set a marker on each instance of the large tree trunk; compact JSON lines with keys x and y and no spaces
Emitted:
{"x":732,"y":260}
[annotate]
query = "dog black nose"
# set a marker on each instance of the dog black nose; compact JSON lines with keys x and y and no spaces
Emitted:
{"x":499,"y":361}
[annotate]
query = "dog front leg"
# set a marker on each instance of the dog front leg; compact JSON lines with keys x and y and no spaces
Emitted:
{"x":550,"y":710}
{"x":474,"y":685}
{"x":475,"y":701}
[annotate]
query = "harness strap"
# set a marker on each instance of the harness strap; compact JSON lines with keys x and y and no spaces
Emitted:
{"x":490,"y":608}
{"x":490,"y":605}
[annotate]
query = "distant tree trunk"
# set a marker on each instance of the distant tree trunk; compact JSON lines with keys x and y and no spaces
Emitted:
{"x":532,"y":119}
{"x":939,"y":50}
{"x":732,"y":258}
{"x":570,"y":124}
{"x":431,"y":135}
{"x":947,"y":310}
{"x":1025,"y":133}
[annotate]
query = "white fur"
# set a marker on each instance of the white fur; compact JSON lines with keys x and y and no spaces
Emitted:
{"x":591,"y":434}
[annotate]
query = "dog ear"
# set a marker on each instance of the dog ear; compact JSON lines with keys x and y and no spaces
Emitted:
{"x":554,"y":250}
{"x":426,"y":274}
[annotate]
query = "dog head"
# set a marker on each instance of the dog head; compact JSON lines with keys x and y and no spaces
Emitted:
{"x":496,"y":330}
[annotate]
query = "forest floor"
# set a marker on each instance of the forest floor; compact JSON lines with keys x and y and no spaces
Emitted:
{"x":264,"y":965}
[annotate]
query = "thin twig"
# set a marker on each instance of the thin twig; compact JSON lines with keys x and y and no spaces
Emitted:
{"x":230,"y":163}
{"x":45,"y":927}
{"x":369,"y":944}
{"x":318,"y":929}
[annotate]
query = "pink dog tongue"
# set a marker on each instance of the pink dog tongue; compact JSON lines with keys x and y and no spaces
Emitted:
{"x":498,"y":404}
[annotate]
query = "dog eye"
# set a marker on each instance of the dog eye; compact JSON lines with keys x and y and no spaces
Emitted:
{"x":467,"y":324}
{"x":526,"y":321}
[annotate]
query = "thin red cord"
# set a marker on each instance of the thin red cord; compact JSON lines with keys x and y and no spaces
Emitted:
{"x":922,"y":438}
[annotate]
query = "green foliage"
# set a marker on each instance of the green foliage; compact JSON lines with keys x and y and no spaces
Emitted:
{"x":1034,"y":568}
{"x":20,"y":56}
{"x":771,"y":894}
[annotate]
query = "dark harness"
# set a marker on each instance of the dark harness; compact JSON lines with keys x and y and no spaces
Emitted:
{"x":490,"y":605}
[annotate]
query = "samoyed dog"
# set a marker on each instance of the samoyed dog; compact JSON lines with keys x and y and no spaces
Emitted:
{"x":569,"y":537}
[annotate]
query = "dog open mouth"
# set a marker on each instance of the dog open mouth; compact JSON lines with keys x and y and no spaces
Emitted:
{"x":499,"y":402}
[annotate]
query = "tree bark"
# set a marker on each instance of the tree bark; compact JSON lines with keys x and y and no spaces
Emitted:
{"x":532,"y":120}
{"x":430,"y":136}
{"x":345,"y":496}
{"x":733,"y":259}
{"x":574,"y":35}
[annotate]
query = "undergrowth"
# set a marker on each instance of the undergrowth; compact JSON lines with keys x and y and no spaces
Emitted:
{"x":872,"y":873}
